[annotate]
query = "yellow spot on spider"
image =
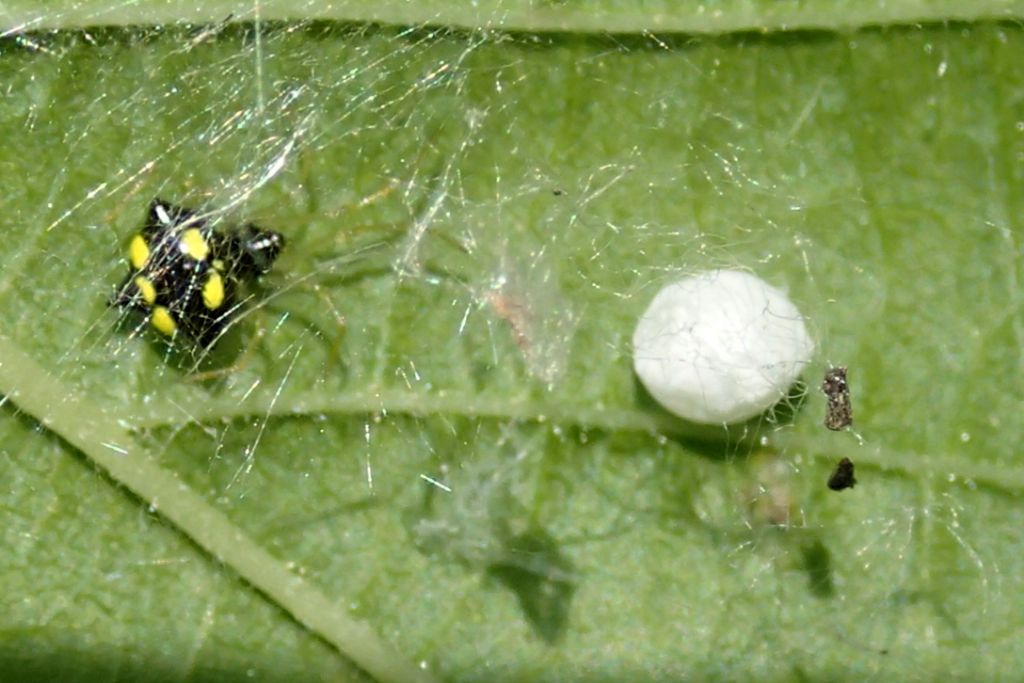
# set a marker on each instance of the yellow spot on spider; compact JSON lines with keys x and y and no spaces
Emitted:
{"x":213,"y":291}
{"x":218,"y":264}
{"x":146,"y":289}
{"x":194,"y":244}
{"x":138,"y":252}
{"x":163,"y":321}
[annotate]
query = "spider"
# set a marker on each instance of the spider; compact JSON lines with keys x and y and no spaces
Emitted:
{"x":185,"y":276}
{"x":188,"y":279}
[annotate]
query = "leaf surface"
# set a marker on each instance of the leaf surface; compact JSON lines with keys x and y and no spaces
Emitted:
{"x":435,"y":424}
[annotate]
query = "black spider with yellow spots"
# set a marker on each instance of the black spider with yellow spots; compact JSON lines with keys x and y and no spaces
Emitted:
{"x":185,"y":276}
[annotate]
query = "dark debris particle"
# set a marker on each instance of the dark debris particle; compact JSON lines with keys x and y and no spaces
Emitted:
{"x":838,"y":412}
{"x":842,"y":477}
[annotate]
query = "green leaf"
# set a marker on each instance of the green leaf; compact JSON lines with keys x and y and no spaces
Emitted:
{"x":433,"y":460}
{"x":620,"y":16}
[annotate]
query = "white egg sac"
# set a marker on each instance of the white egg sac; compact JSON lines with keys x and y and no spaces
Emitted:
{"x":720,"y":347}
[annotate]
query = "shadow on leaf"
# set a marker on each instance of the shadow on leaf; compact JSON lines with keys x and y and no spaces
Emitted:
{"x":541,"y":578}
{"x":817,"y":562}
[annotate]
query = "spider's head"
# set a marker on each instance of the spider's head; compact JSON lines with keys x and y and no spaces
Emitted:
{"x":259,"y":249}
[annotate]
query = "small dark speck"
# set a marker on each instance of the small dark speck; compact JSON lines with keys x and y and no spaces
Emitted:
{"x":842,"y":477}
{"x":557,"y":193}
